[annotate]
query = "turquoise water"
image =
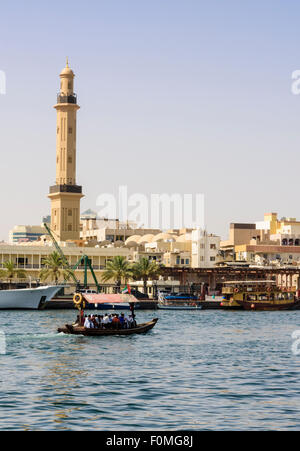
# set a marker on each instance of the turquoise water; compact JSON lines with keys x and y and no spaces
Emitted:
{"x":209,"y":370}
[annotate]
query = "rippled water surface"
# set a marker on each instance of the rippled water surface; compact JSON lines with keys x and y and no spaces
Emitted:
{"x":195,"y":371}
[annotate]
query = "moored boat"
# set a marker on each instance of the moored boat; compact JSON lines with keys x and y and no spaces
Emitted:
{"x":260,"y":295}
{"x":178,"y":302}
{"x":27,"y":299}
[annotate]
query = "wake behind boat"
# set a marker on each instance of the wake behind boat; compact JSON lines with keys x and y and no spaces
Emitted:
{"x":28,"y":298}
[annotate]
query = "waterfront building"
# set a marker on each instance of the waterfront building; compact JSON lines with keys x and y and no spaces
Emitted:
{"x":205,"y":249}
{"x":65,"y":195}
{"x":271,"y":241}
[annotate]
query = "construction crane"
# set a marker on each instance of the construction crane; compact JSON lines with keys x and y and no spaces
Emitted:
{"x":84,"y":259}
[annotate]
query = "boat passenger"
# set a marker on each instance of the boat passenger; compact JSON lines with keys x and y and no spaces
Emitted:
{"x":116,"y":322}
{"x":122,"y":321}
{"x":87,"y":324}
{"x":105,"y":321}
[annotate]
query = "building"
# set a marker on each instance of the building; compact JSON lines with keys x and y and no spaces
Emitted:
{"x":23,"y":233}
{"x":271,"y":241}
{"x":65,"y":195}
{"x":205,"y":249}
{"x":99,"y":230}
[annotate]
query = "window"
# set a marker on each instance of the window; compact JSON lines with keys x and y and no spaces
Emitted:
{"x":187,"y":262}
{"x":212,"y":259}
{"x":70,"y":130}
{"x":70,"y":160}
{"x":213,"y":246}
{"x":69,"y":228}
{"x":69,"y":212}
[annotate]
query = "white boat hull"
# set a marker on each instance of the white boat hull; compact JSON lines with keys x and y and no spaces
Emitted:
{"x":27,"y":299}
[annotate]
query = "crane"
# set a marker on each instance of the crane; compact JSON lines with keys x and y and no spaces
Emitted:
{"x":84,"y":259}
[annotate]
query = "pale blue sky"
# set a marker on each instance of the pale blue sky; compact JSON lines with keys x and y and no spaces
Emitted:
{"x":182,"y":96}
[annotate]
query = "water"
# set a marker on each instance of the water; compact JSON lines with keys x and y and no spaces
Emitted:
{"x":209,"y":370}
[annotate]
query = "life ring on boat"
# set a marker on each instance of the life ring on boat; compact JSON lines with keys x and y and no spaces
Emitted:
{"x":77,"y":299}
{"x":253,"y":306}
{"x":236,"y":290}
{"x":269,"y":289}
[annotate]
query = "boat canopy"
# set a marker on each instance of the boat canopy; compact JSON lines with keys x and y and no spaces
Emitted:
{"x":110,"y":298}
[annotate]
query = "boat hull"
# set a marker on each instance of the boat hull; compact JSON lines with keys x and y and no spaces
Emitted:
{"x":27,"y":299}
{"x":265,"y":306}
{"x":76,"y":330}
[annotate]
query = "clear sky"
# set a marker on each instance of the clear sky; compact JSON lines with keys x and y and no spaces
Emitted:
{"x":184,"y":96}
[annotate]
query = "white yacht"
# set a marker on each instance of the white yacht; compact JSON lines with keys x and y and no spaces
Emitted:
{"x":27,"y":299}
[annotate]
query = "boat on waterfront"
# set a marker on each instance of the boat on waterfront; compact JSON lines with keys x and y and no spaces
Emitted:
{"x":79,"y":330}
{"x":28,"y":298}
{"x":81,"y":301}
{"x":259,"y":295}
{"x":178,"y":302}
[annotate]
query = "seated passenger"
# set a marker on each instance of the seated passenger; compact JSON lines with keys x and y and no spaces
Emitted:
{"x":122,"y":320}
{"x":87,"y":323}
{"x":116,"y":322}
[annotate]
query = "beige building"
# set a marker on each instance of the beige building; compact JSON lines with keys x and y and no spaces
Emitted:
{"x":31,"y":257}
{"x":205,"y":249}
{"x":271,"y":241}
{"x":65,"y":195}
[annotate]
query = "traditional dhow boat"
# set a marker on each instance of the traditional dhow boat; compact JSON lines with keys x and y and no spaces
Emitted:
{"x":82,"y":300}
{"x":259,"y":295}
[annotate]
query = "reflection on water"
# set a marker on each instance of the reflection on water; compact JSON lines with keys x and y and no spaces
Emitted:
{"x":196,"y":370}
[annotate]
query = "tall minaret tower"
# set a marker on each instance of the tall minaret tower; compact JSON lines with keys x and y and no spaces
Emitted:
{"x":65,"y":195}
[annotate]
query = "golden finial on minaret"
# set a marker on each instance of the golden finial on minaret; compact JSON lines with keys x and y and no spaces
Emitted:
{"x":67,"y":62}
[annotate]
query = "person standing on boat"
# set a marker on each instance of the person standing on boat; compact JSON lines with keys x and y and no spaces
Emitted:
{"x":82,"y":319}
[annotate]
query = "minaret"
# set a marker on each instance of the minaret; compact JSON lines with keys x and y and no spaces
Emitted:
{"x":65,"y":195}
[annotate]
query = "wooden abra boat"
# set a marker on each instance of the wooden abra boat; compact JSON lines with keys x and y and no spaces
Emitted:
{"x":81,"y":300}
{"x":79,"y":330}
{"x":258,"y":295}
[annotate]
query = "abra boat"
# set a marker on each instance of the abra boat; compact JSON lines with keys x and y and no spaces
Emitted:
{"x":27,"y":299}
{"x":79,"y":330}
{"x":259,"y":295}
{"x":178,"y":302}
{"x":82,"y":300}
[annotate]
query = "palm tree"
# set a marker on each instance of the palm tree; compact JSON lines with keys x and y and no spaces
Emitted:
{"x":146,"y":270}
{"x":55,"y":268}
{"x":118,"y":269}
{"x":10,"y":271}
